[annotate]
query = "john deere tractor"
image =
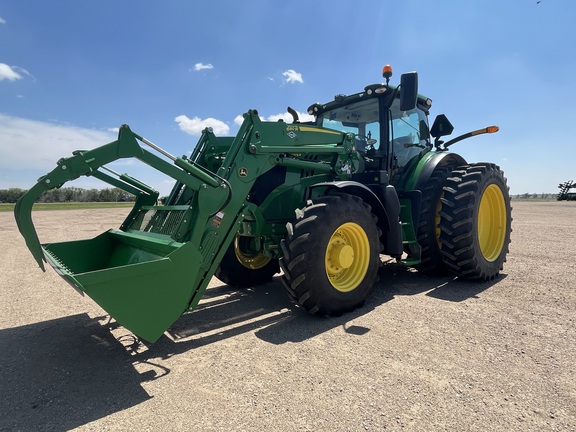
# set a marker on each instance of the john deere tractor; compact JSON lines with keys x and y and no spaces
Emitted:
{"x":317,"y":202}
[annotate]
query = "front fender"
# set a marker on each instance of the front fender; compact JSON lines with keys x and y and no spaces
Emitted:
{"x":385,"y":205}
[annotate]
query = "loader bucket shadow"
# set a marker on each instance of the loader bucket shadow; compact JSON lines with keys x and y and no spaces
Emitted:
{"x":64,"y":373}
{"x":224,"y":312}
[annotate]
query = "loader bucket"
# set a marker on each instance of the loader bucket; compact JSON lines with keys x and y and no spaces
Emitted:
{"x":143,"y":282}
{"x":150,"y":271}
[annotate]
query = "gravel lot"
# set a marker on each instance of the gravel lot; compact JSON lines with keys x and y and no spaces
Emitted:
{"x":424,"y":354}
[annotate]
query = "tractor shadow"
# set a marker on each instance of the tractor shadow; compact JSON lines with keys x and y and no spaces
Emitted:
{"x":394,"y":280}
{"x":64,"y":373}
{"x":399,"y":280}
{"x":267,"y":311}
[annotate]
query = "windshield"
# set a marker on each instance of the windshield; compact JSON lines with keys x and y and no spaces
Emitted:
{"x":360,"y":118}
{"x":405,"y":133}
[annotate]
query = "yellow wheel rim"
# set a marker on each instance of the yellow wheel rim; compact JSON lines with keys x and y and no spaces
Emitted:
{"x":347,"y":257}
{"x":253,"y":261}
{"x":492,"y":222}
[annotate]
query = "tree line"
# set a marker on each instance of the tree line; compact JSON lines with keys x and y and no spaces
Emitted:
{"x":70,"y":194}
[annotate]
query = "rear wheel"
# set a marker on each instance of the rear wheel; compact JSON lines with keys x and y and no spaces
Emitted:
{"x":241,"y":269}
{"x":331,"y":255}
{"x":429,"y":223}
{"x":476,"y":221}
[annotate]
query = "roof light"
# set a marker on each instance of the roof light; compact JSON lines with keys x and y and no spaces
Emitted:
{"x":387,"y":73}
{"x":314,"y":108}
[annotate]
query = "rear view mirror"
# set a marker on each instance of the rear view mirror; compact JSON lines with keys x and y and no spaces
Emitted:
{"x":408,"y":91}
{"x":441,"y":126}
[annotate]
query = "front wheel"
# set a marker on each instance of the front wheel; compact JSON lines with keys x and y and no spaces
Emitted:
{"x":331,"y":255}
{"x":475,"y":221}
{"x":240,"y":268}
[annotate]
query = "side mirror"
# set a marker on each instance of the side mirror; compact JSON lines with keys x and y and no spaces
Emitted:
{"x":408,"y":91}
{"x":441,"y":126}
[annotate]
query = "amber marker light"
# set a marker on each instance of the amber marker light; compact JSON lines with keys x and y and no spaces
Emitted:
{"x":489,"y":129}
{"x":387,"y":72}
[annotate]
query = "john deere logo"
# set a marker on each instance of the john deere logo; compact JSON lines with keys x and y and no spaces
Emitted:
{"x":242,"y":172}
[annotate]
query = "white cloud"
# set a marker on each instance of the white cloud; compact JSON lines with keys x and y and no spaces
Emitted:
{"x":195,"y":126}
{"x":2,"y":20}
{"x":7,"y":72}
{"x":291,"y":76}
{"x":201,"y":66}
{"x":30,"y":149}
{"x":287,"y":117}
{"x":305,"y":117}
{"x":31,"y":144}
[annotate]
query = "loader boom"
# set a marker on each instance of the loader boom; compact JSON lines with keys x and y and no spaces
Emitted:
{"x":161,"y":260}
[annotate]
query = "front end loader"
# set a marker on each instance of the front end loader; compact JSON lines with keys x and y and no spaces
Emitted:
{"x":318,"y":202}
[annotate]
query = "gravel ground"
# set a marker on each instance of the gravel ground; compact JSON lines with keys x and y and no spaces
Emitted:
{"x":424,"y":354}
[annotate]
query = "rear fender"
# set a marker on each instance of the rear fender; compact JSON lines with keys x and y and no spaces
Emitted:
{"x":425,"y":171}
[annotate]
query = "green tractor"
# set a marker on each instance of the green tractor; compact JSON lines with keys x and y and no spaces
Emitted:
{"x":318,"y":202}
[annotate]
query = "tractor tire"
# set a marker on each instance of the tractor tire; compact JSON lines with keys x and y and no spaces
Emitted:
{"x":475,"y":221}
{"x":242,"y":270}
{"x":331,"y":255}
{"x":428,"y":235}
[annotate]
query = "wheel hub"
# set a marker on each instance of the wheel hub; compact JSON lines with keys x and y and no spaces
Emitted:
{"x":342,"y":256}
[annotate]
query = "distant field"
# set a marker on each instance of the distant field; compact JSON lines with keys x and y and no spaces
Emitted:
{"x":70,"y":206}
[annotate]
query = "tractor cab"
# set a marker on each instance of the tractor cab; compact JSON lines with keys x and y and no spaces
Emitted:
{"x":390,"y":123}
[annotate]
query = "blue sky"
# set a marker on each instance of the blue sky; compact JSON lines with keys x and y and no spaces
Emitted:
{"x":72,"y":72}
